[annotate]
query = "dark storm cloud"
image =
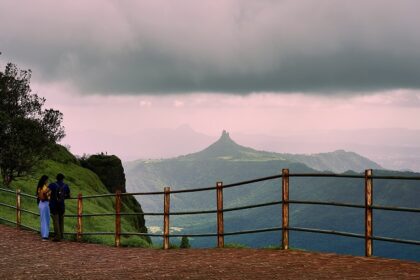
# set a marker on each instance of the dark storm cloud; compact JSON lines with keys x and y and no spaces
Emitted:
{"x":216,"y":46}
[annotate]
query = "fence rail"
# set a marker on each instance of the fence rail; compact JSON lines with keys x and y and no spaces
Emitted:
{"x":368,"y":178}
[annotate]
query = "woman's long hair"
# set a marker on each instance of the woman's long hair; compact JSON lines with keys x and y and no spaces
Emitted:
{"x":41,"y":182}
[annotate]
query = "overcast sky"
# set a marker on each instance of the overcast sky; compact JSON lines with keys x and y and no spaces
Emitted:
{"x":262,"y":67}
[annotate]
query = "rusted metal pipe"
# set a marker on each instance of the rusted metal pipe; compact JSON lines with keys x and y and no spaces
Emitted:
{"x":79,"y":217}
{"x":220,"y":223}
{"x":117,"y":218}
{"x":368,"y":213}
{"x":285,"y":209}
{"x":166,"y":207}
{"x":18,"y":209}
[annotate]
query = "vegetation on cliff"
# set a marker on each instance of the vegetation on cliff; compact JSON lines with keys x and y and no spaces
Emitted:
{"x":110,"y":171}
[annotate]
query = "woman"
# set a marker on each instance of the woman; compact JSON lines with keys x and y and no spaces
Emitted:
{"x":43,"y":194}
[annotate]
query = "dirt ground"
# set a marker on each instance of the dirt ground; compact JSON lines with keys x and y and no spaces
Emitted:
{"x":24,"y":256}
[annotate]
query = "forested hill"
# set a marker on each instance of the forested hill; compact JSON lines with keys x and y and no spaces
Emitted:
{"x":81,"y":180}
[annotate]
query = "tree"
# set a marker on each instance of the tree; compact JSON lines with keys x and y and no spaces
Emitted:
{"x":109,"y":168}
{"x":185,"y":243}
{"x":27,"y":131}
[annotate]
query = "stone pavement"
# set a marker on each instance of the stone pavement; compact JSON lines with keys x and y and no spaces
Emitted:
{"x":24,"y":256}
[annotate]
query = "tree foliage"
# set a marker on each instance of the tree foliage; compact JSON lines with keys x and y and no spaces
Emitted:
{"x":185,"y":243}
{"x":109,"y":168}
{"x":27,"y":130}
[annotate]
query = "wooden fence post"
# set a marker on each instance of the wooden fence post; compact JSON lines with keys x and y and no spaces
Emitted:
{"x":166,"y":207}
{"x":117,"y":218}
{"x":18,"y":207}
{"x":285,"y":209}
{"x":220,"y":224}
{"x":79,"y":217}
{"x":368,"y":212}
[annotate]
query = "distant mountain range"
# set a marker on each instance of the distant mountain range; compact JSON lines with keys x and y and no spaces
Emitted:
{"x":229,"y":162}
{"x":337,"y":161}
{"x":392,"y":148}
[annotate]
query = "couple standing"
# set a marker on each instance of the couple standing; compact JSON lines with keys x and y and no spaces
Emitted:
{"x":51,"y":201}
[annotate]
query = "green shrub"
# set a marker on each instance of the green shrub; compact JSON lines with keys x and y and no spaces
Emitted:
{"x":185,"y":243}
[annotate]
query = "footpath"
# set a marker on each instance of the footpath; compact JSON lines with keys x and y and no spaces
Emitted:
{"x":24,"y":256}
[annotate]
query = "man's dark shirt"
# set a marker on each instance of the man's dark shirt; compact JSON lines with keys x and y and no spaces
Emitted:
{"x":58,"y":207}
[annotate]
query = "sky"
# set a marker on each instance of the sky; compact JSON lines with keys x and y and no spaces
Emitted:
{"x":314,"y":72}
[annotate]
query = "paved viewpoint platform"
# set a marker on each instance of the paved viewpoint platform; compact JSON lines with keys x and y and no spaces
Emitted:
{"x":24,"y":256}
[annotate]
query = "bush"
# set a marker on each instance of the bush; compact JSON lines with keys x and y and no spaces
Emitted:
{"x":185,"y":243}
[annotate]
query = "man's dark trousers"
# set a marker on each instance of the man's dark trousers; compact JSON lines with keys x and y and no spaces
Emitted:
{"x":58,"y":221}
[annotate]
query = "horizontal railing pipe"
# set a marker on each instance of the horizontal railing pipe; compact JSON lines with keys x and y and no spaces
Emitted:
{"x":143,"y":214}
{"x":396,"y":177}
{"x":332,"y":175}
{"x":113,"y":214}
{"x":193,"y":212}
{"x":194,"y":190}
{"x":142,"y":234}
{"x":28,"y":195}
{"x":143,"y":193}
{"x":29,"y":228}
{"x":95,"y":196}
{"x":253,"y":231}
{"x":396,"y":240}
{"x":251,"y":206}
{"x":327,"y":203}
{"x":8,"y":190}
{"x":252,"y":181}
{"x":30,"y":212}
{"x":194,"y":235}
{"x":90,"y":215}
{"x":8,"y":205}
{"x":334,"y":232}
{"x":392,"y":208}
{"x":95,"y":233}
{"x":7,"y":220}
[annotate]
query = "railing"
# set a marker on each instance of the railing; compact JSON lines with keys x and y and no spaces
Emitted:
{"x":18,"y":208}
{"x":220,"y":234}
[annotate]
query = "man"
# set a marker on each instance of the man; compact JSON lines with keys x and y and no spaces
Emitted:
{"x":59,"y":192}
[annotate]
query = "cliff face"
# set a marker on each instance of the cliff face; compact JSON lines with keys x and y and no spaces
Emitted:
{"x":111,"y":172}
{"x":109,"y":169}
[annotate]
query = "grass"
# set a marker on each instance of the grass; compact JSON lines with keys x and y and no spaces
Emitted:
{"x":236,"y":246}
{"x":80,"y":180}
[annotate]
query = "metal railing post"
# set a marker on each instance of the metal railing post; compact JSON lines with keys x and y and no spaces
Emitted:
{"x":117,"y":218}
{"x":18,"y":207}
{"x":166,"y":207}
{"x":79,"y":217}
{"x":285,"y":209}
{"x":220,"y":224}
{"x":368,"y":212}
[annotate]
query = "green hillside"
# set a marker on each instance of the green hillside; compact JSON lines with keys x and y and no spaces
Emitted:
{"x":338,"y":161}
{"x":80,"y":180}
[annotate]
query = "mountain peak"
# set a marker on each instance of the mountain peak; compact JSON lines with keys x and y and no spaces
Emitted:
{"x":225,"y":137}
{"x":223,"y":147}
{"x":226,"y":141}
